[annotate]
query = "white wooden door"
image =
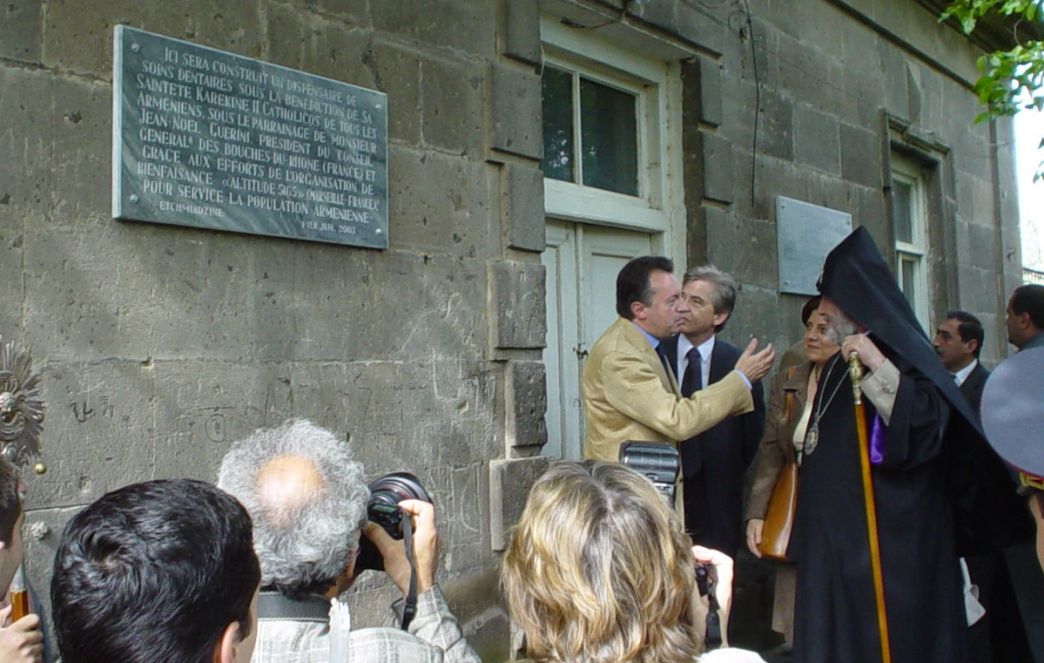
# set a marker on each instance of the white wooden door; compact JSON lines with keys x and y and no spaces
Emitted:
{"x":582,"y":262}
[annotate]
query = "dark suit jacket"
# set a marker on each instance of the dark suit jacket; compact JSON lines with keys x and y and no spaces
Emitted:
{"x":990,"y":514}
{"x":714,"y":462}
{"x":973,"y":385}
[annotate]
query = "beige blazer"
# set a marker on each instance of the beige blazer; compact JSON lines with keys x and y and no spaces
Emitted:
{"x":628,"y":395}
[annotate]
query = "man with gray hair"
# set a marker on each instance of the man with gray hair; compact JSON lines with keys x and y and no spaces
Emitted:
{"x":714,"y":461}
{"x":306,"y":495}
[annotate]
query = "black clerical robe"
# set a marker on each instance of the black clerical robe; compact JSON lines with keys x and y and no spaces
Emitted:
{"x":835,"y":615}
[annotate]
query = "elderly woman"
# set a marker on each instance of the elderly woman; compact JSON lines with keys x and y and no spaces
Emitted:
{"x":793,"y":391}
{"x":600,"y":571}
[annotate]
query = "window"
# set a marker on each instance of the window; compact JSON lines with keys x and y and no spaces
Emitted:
{"x":609,"y":147}
{"x":909,"y":225}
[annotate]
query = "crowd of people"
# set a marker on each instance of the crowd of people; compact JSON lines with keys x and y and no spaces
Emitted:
{"x":903,"y":531}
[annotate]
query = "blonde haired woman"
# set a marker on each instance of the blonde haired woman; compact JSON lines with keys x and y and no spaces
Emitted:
{"x":600,"y":571}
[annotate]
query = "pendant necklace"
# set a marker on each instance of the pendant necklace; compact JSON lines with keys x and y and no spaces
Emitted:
{"x":812,"y":436}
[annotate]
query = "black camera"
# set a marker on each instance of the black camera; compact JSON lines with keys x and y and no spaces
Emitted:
{"x":383,"y":509}
{"x":658,"y":462}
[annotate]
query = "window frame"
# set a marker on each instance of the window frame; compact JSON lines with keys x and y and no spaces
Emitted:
{"x":656,"y":84}
{"x":917,"y":250}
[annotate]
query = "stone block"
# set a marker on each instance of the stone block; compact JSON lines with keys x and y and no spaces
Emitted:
{"x":42,"y":532}
{"x":452,"y":106}
{"x":12,"y":294}
{"x":442,"y":204}
{"x":522,"y":31}
{"x":861,"y":156}
{"x":977,"y":245}
{"x":747,"y":247}
{"x":426,"y":21}
{"x":817,"y":141}
{"x":698,"y":27}
{"x":525,"y":403}
{"x":516,"y":113}
{"x":79,"y":38}
{"x":705,"y":75}
{"x":775,"y":131}
{"x":522,"y":207}
{"x":347,"y":12}
{"x":317,"y":45}
{"x":397,"y":74}
{"x":718,"y":167}
{"x":509,"y":484}
{"x":520,"y":319}
{"x":21,"y":23}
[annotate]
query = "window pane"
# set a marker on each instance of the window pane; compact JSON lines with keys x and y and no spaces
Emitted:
{"x":557,"y":90}
{"x":908,"y":279}
{"x":902,"y":197}
{"x":608,"y":138}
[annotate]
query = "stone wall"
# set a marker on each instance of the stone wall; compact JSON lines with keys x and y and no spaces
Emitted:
{"x":161,"y":345}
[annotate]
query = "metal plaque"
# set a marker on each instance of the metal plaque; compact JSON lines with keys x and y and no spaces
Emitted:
{"x":805,"y":234}
{"x":210,"y":139}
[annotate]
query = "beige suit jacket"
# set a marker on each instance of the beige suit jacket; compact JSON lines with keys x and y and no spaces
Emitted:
{"x":628,"y":395}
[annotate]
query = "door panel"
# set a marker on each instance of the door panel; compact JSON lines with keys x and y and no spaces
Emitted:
{"x":582,"y":262}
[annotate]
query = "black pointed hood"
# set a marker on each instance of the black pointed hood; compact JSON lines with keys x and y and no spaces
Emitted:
{"x":858,"y":280}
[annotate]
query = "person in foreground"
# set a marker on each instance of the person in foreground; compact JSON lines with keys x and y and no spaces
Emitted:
{"x":600,"y":570}
{"x":20,"y":641}
{"x":157,"y":571}
{"x":306,"y":494}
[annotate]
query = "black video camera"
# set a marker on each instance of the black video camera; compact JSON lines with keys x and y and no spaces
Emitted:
{"x":660,"y":463}
{"x":383,"y":509}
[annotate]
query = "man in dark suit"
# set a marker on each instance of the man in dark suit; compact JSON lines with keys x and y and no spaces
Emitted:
{"x":999,"y":635}
{"x":713,"y":462}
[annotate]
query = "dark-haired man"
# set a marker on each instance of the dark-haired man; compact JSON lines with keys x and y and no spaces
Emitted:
{"x":627,"y":391}
{"x":1025,"y":319}
{"x":21,"y":641}
{"x":157,"y":571}
{"x":990,"y":520}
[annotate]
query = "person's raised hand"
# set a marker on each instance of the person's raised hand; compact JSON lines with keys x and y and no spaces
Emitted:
{"x":425,"y":541}
{"x":755,"y":364}
{"x":860,"y":344}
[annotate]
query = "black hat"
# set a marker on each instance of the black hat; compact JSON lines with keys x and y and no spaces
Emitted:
{"x":857,"y":279}
{"x":1012,"y":411}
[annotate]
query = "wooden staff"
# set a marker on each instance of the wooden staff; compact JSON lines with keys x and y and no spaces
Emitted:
{"x":19,"y":596}
{"x":855,"y":370}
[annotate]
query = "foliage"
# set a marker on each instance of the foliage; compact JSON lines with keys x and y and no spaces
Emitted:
{"x":1011,"y":80}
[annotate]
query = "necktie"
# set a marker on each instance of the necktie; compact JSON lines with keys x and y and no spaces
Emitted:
{"x":693,"y":380}
{"x":661,"y":352}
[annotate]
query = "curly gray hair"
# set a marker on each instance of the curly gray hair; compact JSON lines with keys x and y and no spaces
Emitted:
{"x":303,"y":544}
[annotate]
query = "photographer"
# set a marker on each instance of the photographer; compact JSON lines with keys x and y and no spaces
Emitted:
{"x":309,"y":504}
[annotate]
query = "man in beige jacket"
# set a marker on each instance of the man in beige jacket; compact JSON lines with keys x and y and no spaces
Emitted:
{"x":627,"y":392}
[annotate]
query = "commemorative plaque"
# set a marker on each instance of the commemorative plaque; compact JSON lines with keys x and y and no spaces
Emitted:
{"x":805,"y":234}
{"x":211,"y":139}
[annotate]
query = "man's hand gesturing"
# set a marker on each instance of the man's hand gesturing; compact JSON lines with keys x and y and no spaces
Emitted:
{"x":755,"y":364}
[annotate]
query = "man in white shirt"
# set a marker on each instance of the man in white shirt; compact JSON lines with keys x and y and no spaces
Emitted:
{"x":713,"y":461}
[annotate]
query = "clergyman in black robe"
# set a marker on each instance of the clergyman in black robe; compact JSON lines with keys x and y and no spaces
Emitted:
{"x":907,"y":412}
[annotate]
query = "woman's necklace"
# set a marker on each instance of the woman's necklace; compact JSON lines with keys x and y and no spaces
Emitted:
{"x":812,"y":436}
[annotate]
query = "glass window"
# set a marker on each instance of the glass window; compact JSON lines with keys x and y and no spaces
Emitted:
{"x":557,"y":86}
{"x":901,"y":200}
{"x":607,"y":151}
{"x":609,"y":139}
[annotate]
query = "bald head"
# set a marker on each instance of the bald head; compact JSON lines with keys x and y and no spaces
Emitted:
{"x":307,"y":498}
{"x":285,"y":485}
